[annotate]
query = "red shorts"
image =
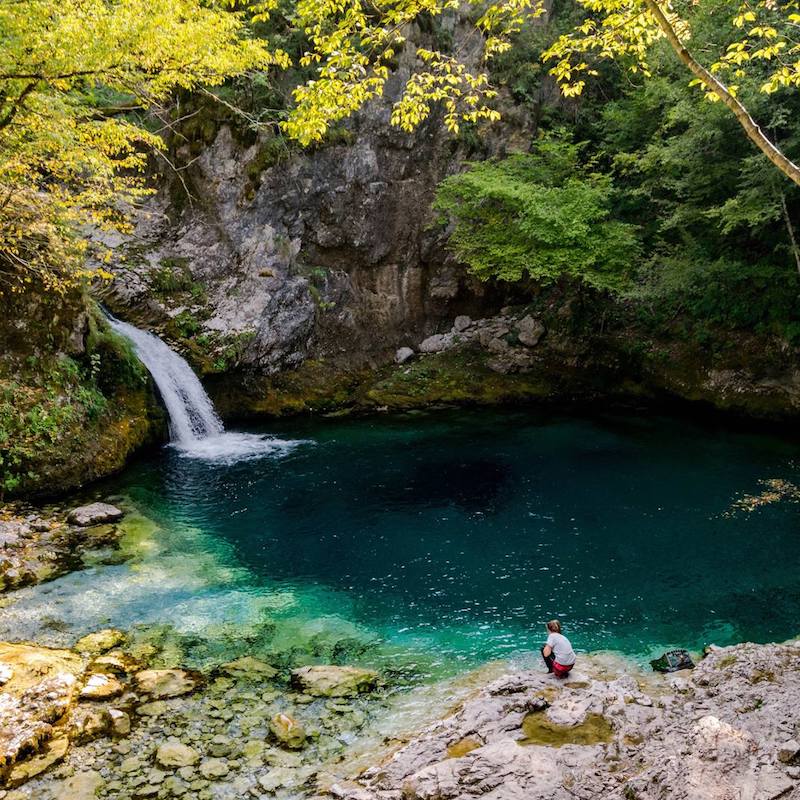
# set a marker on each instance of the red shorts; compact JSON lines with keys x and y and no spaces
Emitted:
{"x":561,"y":670}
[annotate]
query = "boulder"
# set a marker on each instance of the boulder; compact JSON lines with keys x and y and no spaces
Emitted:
{"x":288,"y":731}
{"x":100,"y":641}
{"x":94,"y":514}
{"x":213,"y":769}
{"x":403,"y":354}
{"x":332,"y":681}
{"x":81,"y":786}
{"x":50,"y":753}
{"x":120,"y":722}
{"x":101,"y":687}
{"x":461,"y":323}
{"x":161,"y":683}
{"x":436,"y":343}
{"x":87,"y":723}
{"x":530,"y":331}
{"x":173,"y":754}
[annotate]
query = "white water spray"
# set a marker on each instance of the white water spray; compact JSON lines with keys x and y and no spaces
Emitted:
{"x":195,"y":428}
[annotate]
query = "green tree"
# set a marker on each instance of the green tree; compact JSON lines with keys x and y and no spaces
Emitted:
{"x":543,"y":216}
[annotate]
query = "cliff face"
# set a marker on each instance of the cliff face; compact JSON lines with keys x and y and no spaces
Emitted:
{"x":290,"y":278}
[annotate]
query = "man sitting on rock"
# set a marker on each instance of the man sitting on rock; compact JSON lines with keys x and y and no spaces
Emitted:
{"x":557,"y":652}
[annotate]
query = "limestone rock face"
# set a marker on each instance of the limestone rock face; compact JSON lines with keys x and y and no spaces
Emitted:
{"x":332,"y":681}
{"x":717,"y":733}
{"x":161,"y":683}
{"x":94,"y":514}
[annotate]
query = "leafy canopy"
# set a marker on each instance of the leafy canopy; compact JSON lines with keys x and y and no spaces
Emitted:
{"x":70,"y":71}
{"x":541,"y":215}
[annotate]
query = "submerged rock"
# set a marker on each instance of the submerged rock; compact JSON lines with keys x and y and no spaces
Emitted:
{"x":161,"y":683}
{"x":173,"y":754}
{"x":94,"y":514}
{"x":101,"y":687}
{"x":288,"y":731}
{"x":333,"y":681}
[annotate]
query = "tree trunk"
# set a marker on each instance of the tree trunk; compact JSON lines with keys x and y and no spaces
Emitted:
{"x":713,"y":84}
{"x":790,"y":228}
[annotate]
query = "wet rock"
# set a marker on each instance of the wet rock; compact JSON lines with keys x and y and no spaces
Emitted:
{"x":87,"y":723}
{"x":120,"y":722}
{"x":100,"y":641}
{"x":214,"y":769}
{"x":403,"y":354}
{"x":94,"y":514}
{"x":81,"y":786}
{"x":174,"y":753}
{"x":101,"y":687}
{"x":333,"y":681}
{"x":49,"y":754}
{"x":530,"y":331}
{"x":288,"y":731}
{"x":161,"y":683}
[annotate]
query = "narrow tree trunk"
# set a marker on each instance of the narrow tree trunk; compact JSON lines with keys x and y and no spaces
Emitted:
{"x":790,"y":228}
{"x":713,"y":84}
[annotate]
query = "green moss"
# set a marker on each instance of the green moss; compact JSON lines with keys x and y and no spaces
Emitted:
{"x":65,"y":420}
{"x":539,"y":730}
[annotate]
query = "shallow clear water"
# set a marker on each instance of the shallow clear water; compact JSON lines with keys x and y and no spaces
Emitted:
{"x":441,"y":541}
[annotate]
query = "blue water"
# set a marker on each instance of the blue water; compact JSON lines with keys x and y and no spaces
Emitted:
{"x":448,"y":539}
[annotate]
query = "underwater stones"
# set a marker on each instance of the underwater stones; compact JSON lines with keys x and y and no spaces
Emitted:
{"x":333,"y":681}
{"x":221,"y":745}
{"x":248,"y":667}
{"x":530,"y":331}
{"x":101,"y":687}
{"x":214,"y":769}
{"x":287,"y":731}
{"x":81,"y":786}
{"x":161,"y":683}
{"x":94,"y":514}
{"x":154,"y":709}
{"x":403,"y":354}
{"x":174,"y":753}
{"x":100,"y":641}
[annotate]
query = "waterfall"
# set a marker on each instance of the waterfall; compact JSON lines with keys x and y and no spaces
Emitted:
{"x":195,"y":428}
{"x":191,"y":414}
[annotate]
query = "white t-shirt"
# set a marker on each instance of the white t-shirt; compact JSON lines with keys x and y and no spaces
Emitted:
{"x":562,"y":649}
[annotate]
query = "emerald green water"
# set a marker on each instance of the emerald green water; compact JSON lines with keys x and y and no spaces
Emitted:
{"x":437,"y":542}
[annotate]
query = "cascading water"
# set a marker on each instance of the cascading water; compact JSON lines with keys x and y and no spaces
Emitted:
{"x":195,"y":428}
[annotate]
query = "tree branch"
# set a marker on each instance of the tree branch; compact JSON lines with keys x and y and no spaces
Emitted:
{"x":717,"y":87}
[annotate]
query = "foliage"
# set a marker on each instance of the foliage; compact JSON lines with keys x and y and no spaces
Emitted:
{"x":746,"y":43}
{"x":71,"y":73}
{"x":543,"y":216}
{"x":50,"y":402}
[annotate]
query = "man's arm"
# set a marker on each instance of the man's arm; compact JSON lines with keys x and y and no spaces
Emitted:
{"x":546,"y":650}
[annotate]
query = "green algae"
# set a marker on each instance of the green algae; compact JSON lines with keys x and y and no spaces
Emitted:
{"x":539,"y":730}
{"x":462,"y":747}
